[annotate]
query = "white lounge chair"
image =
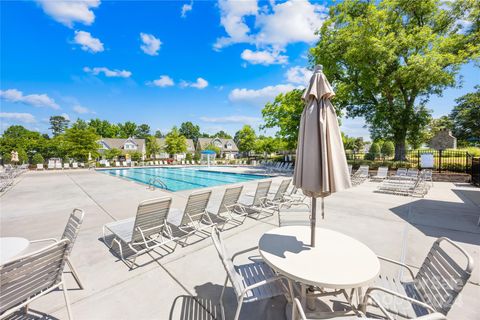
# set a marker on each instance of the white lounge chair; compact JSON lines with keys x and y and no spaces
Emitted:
{"x":360,"y":175}
{"x":74,"y":165}
{"x":29,"y":277}
{"x":226,"y":211}
{"x":51,"y":165}
{"x":58,"y":165}
{"x":107,"y":164}
{"x":142,"y":233}
{"x":66,"y":165}
{"x":251,"y":282}
{"x":434,"y":288}
{"x":117,"y":163}
{"x":70,"y":233}
{"x":259,"y":205}
{"x":382,"y":173}
{"x":39,"y":166}
{"x":193,"y":217}
{"x":279,"y":196}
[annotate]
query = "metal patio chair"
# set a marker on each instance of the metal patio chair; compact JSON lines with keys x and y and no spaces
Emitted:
{"x":259,"y":205}
{"x":226,"y":211}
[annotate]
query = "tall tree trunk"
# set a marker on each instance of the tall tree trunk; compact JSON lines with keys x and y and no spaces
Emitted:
{"x":400,"y":148}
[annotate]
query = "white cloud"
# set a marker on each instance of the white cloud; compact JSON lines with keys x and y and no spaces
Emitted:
{"x":150,"y":45}
{"x":265,"y":57}
{"x":36,"y":100}
{"x":22,"y":117}
{"x":273,"y":26}
{"x":186,"y":8}
{"x":107,"y":72}
{"x":232,"y":119}
{"x":232,"y":18}
{"x":68,"y":12}
{"x":66,"y":116}
{"x":199,"y":84}
{"x":163,"y":81}
{"x":260,"y":96}
{"x":81,"y":110}
{"x":88,"y":42}
{"x":298,"y":75}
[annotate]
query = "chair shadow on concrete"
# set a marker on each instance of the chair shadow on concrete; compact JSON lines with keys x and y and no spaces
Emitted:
{"x":279,"y":244}
{"x":434,"y":218}
{"x":127,"y":252}
{"x":31,"y":315}
{"x":194,"y":308}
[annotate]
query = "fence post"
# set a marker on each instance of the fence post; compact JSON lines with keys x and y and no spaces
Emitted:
{"x":440,"y":160}
{"x":418,"y":160}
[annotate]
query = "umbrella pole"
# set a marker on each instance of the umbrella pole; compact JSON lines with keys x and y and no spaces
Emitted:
{"x":313,"y":221}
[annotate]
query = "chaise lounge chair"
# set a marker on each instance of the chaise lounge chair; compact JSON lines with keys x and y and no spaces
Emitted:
{"x":382,"y":174}
{"x":259,"y":205}
{"x":226,"y":212}
{"x":144,"y":232}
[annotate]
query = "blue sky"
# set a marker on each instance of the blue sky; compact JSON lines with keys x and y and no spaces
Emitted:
{"x":160,"y":62}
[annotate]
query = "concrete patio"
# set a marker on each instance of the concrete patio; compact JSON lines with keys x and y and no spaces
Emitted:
{"x":401,"y":228}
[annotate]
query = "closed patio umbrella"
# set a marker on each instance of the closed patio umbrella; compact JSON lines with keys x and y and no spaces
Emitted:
{"x":321,"y":166}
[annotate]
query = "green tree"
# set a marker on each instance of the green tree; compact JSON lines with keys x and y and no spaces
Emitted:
{"x":205,"y":135}
{"x":136,"y":156}
{"x":222,"y":135}
{"x":18,"y":137}
{"x":387,"y":57}
{"x":190,"y":131}
{"x":245,"y":139}
{"x":58,"y":125}
{"x":79,"y":141}
{"x":352,"y":143}
{"x":266,"y":145}
{"x":213,"y":147}
{"x":37,"y":159}
{"x":104,"y":128}
{"x":127,"y":129}
{"x":175,"y":142}
{"x":152,"y":146}
{"x":143,"y":131}
{"x":113,"y":153}
{"x":285,"y":113}
{"x":466,"y":117}
{"x":388,"y":149}
{"x":159,"y":134}
{"x":374,"y":151}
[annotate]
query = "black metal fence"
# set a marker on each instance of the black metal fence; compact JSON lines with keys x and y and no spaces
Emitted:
{"x":443,"y":160}
{"x":475,"y":171}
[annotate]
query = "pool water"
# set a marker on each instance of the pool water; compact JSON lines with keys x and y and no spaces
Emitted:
{"x":177,"y":179}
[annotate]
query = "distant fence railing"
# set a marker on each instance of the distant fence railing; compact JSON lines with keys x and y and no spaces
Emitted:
{"x":443,"y":160}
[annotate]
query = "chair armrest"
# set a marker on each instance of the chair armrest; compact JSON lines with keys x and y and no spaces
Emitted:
{"x":243,"y":251}
{"x":262,"y":283}
{"x":396,"y":294}
{"x":43,"y":240}
{"x":399,"y":264}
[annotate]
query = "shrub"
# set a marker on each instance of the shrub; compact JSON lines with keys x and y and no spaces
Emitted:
{"x":136,"y":156}
{"x":188,"y":156}
{"x":37,"y":159}
{"x":373,"y":152}
{"x":388,"y":149}
{"x":112,"y":153}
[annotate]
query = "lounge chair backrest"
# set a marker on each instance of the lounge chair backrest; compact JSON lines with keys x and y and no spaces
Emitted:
{"x":262,"y":191}
{"x":382,"y":171}
{"x":230,"y":197}
{"x":227,"y":262}
{"x":282,"y":189}
{"x":73,"y":226}
{"x":196,"y":206}
{"x":401,"y":172}
{"x":151,"y":215}
{"x":440,"y":278}
{"x":25,"y":277}
{"x":350,"y":169}
{"x":362,"y":171}
{"x":412,"y":172}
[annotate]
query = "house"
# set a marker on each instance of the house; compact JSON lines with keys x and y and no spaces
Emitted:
{"x":443,"y":140}
{"x":127,"y":146}
{"x":228,"y":148}
{"x":164,"y":155}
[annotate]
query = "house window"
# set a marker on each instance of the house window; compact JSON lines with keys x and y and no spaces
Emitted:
{"x":129,"y":146}
{"x":218,"y":144}
{"x":229,"y":146}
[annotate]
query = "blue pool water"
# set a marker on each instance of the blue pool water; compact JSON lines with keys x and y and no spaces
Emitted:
{"x":177,"y":179}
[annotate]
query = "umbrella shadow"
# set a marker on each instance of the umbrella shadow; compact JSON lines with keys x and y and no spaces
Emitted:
{"x":280,"y":244}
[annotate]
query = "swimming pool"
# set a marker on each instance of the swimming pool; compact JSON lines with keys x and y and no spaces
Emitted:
{"x":177,"y":179}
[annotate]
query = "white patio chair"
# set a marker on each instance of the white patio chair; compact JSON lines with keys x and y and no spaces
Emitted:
{"x":401,"y":172}
{"x":350,"y":169}
{"x":74,"y":165}
{"x":39,"y":166}
{"x":193,"y":215}
{"x":251,"y":282}
{"x":428,"y":176}
{"x":226,"y":211}
{"x":51,"y":165}
{"x":259,"y":205}
{"x":70,"y":233}
{"x":279,"y":196}
{"x":66,"y":165}
{"x":434,"y":288}
{"x":360,"y":175}
{"x":382,"y":174}
{"x":144,"y":232}
{"x":29,"y":277}
{"x":299,"y":312}
{"x":412,"y":172}
{"x":58,"y":165}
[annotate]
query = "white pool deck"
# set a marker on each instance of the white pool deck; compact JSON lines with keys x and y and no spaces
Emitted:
{"x":38,"y":205}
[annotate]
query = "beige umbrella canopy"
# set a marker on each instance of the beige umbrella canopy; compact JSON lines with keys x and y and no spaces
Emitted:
{"x":321,"y":166}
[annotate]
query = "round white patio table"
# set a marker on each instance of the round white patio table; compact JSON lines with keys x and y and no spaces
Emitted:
{"x":336,"y":262}
{"x":10,"y":247}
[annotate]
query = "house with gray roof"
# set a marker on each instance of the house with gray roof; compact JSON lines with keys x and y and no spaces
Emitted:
{"x":127,"y":146}
{"x":163,"y":155}
{"x":228,"y":147}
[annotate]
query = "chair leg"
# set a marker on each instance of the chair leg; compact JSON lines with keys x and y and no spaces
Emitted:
{"x":222,"y":308}
{"x":74,"y":274}
{"x":67,"y":300}
{"x":239,"y":308}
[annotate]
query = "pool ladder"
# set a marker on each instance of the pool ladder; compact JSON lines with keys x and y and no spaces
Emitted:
{"x":151,"y":184}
